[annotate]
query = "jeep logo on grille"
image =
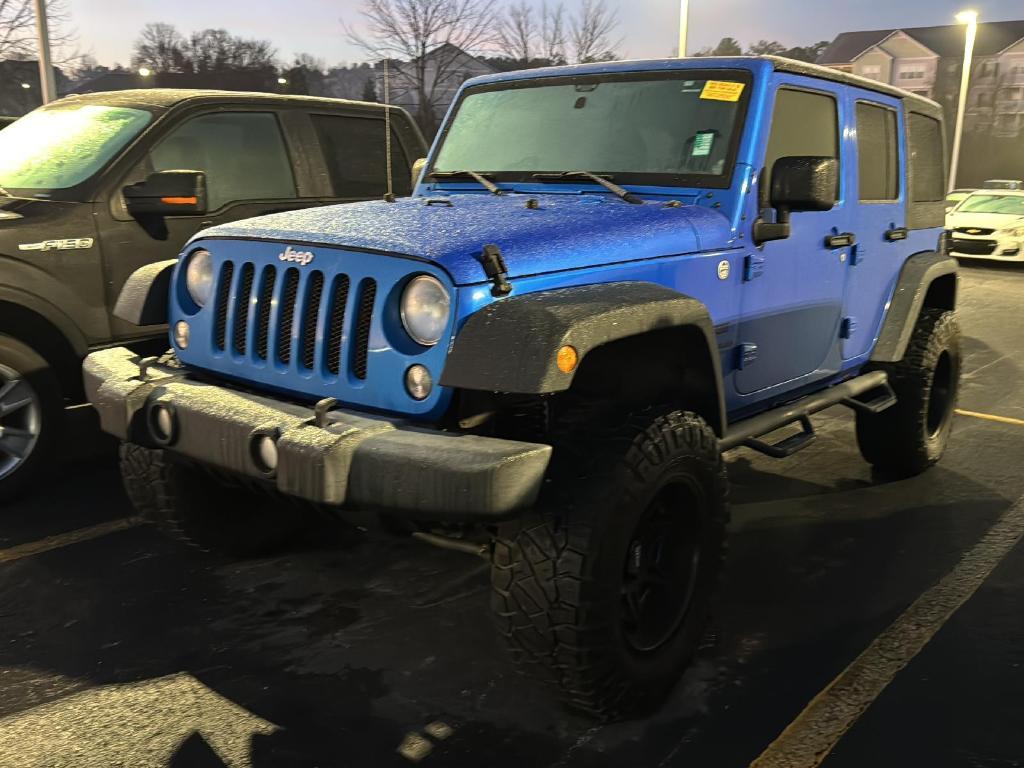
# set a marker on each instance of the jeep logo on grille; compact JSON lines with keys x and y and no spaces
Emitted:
{"x":299,"y":257}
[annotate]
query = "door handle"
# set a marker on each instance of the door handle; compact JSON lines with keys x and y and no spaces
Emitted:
{"x":842,"y":240}
{"x":896,"y":233}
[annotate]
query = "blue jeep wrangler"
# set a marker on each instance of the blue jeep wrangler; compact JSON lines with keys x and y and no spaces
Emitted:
{"x":607,"y":276}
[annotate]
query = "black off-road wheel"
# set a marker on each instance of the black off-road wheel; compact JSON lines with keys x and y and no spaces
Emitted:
{"x":909,"y":437}
{"x":192,"y":505}
{"x":605,"y":590}
{"x":31,"y":417}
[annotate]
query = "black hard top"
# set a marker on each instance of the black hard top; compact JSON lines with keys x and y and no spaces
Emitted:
{"x":167,"y":98}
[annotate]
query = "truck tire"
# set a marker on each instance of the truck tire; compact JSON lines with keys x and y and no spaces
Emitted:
{"x":192,"y":505}
{"x":31,"y":416}
{"x":910,"y":436}
{"x":585,"y":592}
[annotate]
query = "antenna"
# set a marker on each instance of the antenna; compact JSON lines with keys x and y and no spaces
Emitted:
{"x":389,"y":196}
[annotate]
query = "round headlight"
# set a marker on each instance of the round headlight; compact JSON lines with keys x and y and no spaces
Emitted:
{"x":425,"y":309}
{"x":199,"y":276}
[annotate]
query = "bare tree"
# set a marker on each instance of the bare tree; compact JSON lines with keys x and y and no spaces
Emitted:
{"x":591,"y":32}
{"x":552,"y":32}
{"x":424,"y":42}
{"x":161,"y":47}
{"x":18,"y":31}
{"x":517,"y":32}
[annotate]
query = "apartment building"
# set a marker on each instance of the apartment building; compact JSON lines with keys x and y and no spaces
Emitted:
{"x":929,"y":61}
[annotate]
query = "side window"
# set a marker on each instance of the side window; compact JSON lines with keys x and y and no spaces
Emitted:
{"x":242,"y":153}
{"x":927,"y":183}
{"x":356,"y":156}
{"x":877,"y":152}
{"x":804,"y":124}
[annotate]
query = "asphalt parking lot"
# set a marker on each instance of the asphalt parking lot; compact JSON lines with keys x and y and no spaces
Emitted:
{"x":119,"y":648}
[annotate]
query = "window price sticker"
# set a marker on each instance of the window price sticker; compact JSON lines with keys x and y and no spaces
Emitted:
{"x":722,"y":90}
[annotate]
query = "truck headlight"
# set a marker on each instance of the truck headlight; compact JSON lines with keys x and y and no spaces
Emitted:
{"x":425,"y":308}
{"x":199,"y":276}
{"x":1012,"y":232}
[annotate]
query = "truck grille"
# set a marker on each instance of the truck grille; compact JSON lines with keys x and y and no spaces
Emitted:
{"x":307,"y":324}
{"x":974,"y":247}
{"x":975,"y":231}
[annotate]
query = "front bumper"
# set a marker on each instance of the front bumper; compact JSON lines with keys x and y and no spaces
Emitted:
{"x":986,"y":247}
{"x":348,"y":460}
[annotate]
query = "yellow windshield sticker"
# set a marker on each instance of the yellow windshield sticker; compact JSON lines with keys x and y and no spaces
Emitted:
{"x":722,"y":90}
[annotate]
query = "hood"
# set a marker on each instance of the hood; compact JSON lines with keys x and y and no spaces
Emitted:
{"x":985,"y":220}
{"x":563,"y":231}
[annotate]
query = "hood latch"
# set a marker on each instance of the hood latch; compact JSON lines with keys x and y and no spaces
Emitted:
{"x":496,"y":270}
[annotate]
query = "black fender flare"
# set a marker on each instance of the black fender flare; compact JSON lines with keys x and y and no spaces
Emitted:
{"x":917,"y":277}
{"x":511,"y":345}
{"x":145,"y":297}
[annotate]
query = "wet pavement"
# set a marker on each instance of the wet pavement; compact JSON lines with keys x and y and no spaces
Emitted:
{"x":359,"y":650}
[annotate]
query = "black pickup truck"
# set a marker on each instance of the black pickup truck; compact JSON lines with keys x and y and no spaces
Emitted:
{"x":94,"y":187}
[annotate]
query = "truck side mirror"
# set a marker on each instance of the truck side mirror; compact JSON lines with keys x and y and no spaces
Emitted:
{"x":168,"y":193}
{"x":798,"y":184}
{"x":417,"y":169}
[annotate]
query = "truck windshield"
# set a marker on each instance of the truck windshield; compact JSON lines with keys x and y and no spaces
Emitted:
{"x":60,"y":147}
{"x":678,"y":128}
{"x":1011,"y":205}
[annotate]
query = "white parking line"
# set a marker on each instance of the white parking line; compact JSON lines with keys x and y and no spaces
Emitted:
{"x":64,"y":539}
{"x":807,"y":741}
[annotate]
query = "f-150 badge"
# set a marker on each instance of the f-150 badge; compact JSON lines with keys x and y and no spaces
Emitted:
{"x":72,"y":244}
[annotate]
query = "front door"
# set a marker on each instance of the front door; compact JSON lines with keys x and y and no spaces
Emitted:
{"x":877,"y":219}
{"x":249,"y":172}
{"x":793,"y":290}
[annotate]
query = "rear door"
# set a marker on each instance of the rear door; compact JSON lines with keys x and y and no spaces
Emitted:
{"x":877,"y":216}
{"x":793,"y":290}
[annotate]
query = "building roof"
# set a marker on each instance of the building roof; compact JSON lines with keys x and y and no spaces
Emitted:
{"x":993,"y":38}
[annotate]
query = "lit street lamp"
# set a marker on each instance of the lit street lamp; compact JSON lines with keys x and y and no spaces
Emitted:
{"x":684,"y":13}
{"x":145,"y":72}
{"x":970,"y":18}
{"x":26,"y":85}
{"x":282,"y":81}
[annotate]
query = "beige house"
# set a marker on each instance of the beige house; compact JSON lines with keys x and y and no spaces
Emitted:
{"x":928,"y":61}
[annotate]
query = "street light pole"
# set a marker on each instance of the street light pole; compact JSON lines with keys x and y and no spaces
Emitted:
{"x":684,"y":13}
{"x":47,"y":81}
{"x":970,"y":18}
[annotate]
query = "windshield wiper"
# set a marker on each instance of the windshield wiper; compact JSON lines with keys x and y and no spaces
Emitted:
{"x":605,"y":181}
{"x":482,"y":180}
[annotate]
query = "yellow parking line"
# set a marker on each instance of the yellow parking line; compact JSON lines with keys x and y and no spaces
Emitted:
{"x":990,"y":417}
{"x":808,"y":740}
{"x":64,"y":539}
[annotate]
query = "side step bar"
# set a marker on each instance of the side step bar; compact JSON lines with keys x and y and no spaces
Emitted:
{"x":848,"y":393}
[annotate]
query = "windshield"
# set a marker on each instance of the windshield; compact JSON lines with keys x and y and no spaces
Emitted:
{"x":675,"y":128}
{"x":60,"y":147}
{"x":1011,"y":205}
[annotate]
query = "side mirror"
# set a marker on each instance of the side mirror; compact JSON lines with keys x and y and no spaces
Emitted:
{"x":798,"y":184}
{"x":168,"y":193}
{"x":417,"y":169}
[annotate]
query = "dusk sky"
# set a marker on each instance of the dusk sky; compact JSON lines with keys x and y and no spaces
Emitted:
{"x":106,"y":28}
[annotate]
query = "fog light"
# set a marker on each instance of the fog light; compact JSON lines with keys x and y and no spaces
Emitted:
{"x":162,"y":424}
{"x":181,"y":334}
{"x":264,"y":453}
{"x":418,"y":382}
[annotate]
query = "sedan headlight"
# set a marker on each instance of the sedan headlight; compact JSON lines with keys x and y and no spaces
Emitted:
{"x":425,"y":308}
{"x":199,"y":276}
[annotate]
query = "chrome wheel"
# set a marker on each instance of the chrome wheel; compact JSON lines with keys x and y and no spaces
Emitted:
{"x":20,"y":420}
